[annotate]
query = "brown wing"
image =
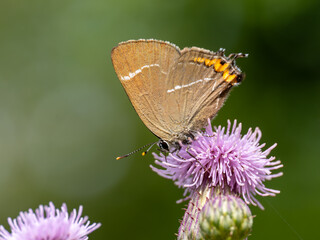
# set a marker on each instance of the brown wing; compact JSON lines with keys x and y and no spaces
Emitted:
{"x":195,"y":92}
{"x":142,"y":67}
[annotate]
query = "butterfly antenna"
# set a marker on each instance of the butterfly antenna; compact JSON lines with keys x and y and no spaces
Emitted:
{"x":145,"y":152}
{"x":137,"y":150}
{"x":234,"y":56}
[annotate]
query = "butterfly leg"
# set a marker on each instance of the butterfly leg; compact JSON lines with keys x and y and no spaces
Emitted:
{"x":164,"y":152}
{"x":180,"y":156}
{"x":177,"y":149}
{"x":197,"y":160}
{"x":206,"y":135}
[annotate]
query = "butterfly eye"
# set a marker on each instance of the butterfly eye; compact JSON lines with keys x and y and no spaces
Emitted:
{"x":163,"y":145}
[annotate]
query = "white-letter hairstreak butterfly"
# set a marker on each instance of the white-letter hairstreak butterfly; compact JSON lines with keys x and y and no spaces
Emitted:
{"x":174,"y":91}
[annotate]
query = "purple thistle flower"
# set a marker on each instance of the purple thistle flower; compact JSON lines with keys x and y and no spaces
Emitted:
{"x":49,"y":223}
{"x":225,"y":159}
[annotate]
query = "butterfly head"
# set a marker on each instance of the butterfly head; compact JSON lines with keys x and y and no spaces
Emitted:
{"x":164,"y":146}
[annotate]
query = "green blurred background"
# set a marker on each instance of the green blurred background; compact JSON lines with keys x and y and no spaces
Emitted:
{"x":64,"y":116}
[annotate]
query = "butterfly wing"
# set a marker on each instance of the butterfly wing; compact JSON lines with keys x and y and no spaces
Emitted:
{"x":195,"y":92}
{"x":174,"y":92}
{"x":142,"y":67}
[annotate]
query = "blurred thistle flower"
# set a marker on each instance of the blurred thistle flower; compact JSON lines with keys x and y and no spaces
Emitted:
{"x":213,"y":215}
{"x":225,"y":159}
{"x":49,"y":223}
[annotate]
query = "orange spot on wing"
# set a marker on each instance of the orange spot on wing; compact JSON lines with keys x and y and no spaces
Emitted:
{"x":223,"y":67}
{"x":231,"y":78}
{"x":217,"y":65}
{"x":225,"y":75}
{"x":213,"y":61}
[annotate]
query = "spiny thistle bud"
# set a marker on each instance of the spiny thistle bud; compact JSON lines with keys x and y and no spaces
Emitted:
{"x":212,"y":214}
{"x":225,"y":217}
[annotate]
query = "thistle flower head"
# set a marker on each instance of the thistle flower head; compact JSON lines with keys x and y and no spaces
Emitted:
{"x":49,"y":223}
{"x":222,"y":158}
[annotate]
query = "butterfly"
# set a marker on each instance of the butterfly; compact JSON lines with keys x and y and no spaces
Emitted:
{"x":174,"y":91}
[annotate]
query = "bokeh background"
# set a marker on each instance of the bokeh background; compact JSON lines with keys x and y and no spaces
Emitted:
{"x":64,"y":116}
